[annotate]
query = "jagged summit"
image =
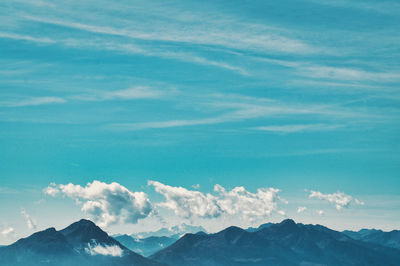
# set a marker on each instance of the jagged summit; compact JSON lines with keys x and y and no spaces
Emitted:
{"x":287,"y":225}
{"x":231,"y":230}
{"x":45,"y":241}
{"x":83,"y":224}
{"x":49,"y":234}
{"x":85,"y":231}
{"x":85,"y":221}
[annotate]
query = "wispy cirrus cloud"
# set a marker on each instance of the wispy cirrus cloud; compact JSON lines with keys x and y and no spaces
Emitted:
{"x":31,"y":223}
{"x":132,"y":93}
{"x":129,"y":48}
{"x":298,"y":128}
{"x":334,"y":73}
{"x":237,"y":108}
{"x":346,"y":73}
{"x":32,"y":101}
{"x":22,"y":37}
{"x":384,"y":7}
{"x":225,"y":33}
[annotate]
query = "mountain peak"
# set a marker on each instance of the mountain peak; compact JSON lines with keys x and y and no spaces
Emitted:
{"x":288,"y":222}
{"x":75,"y":245}
{"x":287,"y":225}
{"x":85,"y":222}
{"x":85,"y":231}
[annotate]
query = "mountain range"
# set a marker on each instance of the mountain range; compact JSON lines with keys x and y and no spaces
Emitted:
{"x":388,"y":239}
{"x":285,"y":243}
{"x":147,"y":243}
{"x":146,"y":246}
{"x":175,"y":231}
{"x":81,"y":243}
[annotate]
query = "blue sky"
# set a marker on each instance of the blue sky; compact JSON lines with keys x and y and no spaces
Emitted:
{"x":299,"y":96}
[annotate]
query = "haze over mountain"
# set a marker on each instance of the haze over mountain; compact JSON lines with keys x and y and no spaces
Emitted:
{"x":175,"y":231}
{"x":254,"y":229}
{"x":81,"y":243}
{"x":286,"y":243}
{"x":147,"y":243}
{"x":145,"y":246}
{"x":388,"y":239}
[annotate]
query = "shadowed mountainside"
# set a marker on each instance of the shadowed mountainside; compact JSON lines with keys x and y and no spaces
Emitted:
{"x":286,"y":243}
{"x":388,"y":239}
{"x":81,"y":243}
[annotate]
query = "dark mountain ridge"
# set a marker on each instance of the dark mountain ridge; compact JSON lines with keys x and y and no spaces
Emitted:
{"x":286,"y":243}
{"x":81,"y":243}
{"x":388,"y":239}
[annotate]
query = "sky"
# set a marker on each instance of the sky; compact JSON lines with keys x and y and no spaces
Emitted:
{"x":148,"y":114}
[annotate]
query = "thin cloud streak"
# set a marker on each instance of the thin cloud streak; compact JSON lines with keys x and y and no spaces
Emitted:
{"x":250,"y":108}
{"x":238,"y":36}
{"x":298,"y":128}
{"x":132,"y":93}
{"x":20,"y":37}
{"x":317,"y":71}
{"x":130,"y":49}
{"x":33,"y":101}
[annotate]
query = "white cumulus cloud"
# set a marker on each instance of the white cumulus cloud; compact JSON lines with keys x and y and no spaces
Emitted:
{"x":106,"y":203}
{"x":239,"y":201}
{"x":29,"y":221}
{"x":187,"y":203}
{"x":114,"y":251}
{"x":7,"y":232}
{"x":301,"y":209}
{"x":51,"y":190}
{"x":236,"y":202}
{"x":339,"y":199}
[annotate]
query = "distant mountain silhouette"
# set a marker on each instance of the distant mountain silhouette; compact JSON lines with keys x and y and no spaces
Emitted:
{"x":388,"y":239}
{"x":286,"y":243}
{"x":147,"y":243}
{"x":175,"y":231}
{"x":81,"y":243}
{"x":145,"y":246}
{"x":254,"y":229}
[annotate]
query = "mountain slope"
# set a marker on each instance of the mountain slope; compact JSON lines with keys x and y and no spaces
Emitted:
{"x":81,"y":243}
{"x":286,"y":243}
{"x":388,"y":239}
{"x":254,"y":229}
{"x":175,"y":231}
{"x":145,"y":246}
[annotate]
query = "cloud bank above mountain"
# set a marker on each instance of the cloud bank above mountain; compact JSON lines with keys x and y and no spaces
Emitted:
{"x":106,"y":203}
{"x":236,"y":202}
{"x":109,"y":204}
